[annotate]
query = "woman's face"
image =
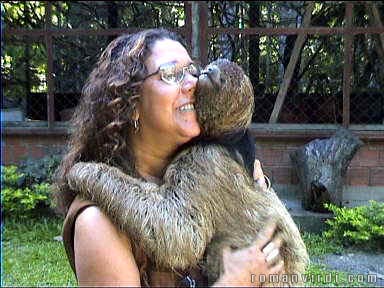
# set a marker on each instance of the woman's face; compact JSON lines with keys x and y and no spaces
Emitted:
{"x":162,"y":106}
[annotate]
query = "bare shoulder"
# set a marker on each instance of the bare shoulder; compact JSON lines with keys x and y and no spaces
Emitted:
{"x":93,"y":217}
{"x":103,"y":255}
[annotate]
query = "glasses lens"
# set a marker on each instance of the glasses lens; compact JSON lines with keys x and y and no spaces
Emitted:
{"x":169,"y":73}
{"x":172,"y":74}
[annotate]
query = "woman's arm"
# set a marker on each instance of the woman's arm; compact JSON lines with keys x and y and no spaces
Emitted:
{"x":174,"y":221}
{"x":103,"y":255}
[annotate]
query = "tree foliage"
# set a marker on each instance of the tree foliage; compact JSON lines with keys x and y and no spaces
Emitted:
{"x":317,"y":77}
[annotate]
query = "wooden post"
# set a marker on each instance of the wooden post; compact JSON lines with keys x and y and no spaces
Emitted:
{"x":188,"y":23}
{"x":376,"y":17}
{"x":376,"y":21}
{"x":195,"y":47}
{"x":348,"y":64}
{"x":291,"y":65}
{"x":50,"y":80}
{"x":203,"y":14}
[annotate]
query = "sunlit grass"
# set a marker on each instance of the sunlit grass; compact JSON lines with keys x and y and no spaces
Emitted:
{"x":31,"y":257}
{"x":319,"y":245}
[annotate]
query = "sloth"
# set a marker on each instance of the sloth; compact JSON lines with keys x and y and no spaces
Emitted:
{"x":208,"y":199}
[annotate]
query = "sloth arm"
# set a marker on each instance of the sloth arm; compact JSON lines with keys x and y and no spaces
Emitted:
{"x":174,"y":222}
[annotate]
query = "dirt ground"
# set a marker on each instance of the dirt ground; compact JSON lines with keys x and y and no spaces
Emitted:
{"x":356,"y":263}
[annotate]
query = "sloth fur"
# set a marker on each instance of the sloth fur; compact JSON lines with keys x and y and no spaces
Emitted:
{"x":207,"y":200}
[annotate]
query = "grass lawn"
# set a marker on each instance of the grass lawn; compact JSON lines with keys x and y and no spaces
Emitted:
{"x":31,"y":257}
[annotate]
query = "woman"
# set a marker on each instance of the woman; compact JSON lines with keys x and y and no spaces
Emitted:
{"x":135,"y":116}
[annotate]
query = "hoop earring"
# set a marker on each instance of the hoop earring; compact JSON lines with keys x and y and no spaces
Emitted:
{"x":136,"y":125}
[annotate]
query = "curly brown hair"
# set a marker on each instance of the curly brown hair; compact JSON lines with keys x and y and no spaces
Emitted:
{"x":102,"y":121}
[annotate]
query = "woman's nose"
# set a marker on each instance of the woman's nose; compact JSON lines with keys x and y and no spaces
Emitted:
{"x":189,"y":83}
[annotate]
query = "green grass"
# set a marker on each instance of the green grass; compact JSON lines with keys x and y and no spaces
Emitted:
{"x":32,"y":258}
{"x":30,"y":255}
{"x":318,"y":245}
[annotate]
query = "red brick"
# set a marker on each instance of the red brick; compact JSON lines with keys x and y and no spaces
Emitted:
{"x":6,"y":155}
{"x":282,"y":175}
{"x":12,"y":140}
{"x":50,"y":140}
{"x":381,"y":158}
{"x":30,"y":139}
{"x":355,"y":162}
{"x":270,"y":156}
{"x":377,"y":176}
{"x":286,"y":157}
{"x":36,"y":152}
{"x":376,"y":146}
{"x":357,"y":176}
{"x":367,"y":158}
{"x":19,"y":152}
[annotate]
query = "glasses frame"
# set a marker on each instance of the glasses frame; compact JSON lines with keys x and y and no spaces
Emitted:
{"x":165,"y":66}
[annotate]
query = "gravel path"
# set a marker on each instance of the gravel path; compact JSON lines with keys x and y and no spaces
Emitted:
{"x":356,"y":263}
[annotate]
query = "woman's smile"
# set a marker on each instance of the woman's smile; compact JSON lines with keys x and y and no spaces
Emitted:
{"x":187,"y":107}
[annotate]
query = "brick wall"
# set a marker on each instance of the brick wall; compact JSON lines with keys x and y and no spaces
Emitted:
{"x":365,"y":169}
{"x":15,"y":148}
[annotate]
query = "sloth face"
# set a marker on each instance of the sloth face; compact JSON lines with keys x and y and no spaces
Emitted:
{"x":224,"y":99}
{"x":210,"y":78}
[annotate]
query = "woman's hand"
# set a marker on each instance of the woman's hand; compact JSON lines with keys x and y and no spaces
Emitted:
{"x":243,"y":267}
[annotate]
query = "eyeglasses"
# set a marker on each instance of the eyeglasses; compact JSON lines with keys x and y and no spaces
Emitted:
{"x":173,"y":74}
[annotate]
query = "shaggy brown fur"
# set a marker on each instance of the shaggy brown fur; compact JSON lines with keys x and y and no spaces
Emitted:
{"x":207,"y":199}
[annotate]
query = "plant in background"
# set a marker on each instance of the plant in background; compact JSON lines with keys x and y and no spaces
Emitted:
{"x":361,"y":226}
{"x":18,"y":199}
{"x":39,"y":170}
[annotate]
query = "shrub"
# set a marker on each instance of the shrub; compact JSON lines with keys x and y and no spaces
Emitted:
{"x":361,"y":226}
{"x":39,"y":170}
{"x":18,"y":199}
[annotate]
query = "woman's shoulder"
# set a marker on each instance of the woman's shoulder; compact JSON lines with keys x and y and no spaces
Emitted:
{"x":91,"y":218}
{"x":103,"y":253}
{"x":93,"y":224}
{"x":87,"y":225}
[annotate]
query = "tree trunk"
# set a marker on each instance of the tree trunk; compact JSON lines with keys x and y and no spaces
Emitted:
{"x":254,"y":43}
{"x":321,"y":166}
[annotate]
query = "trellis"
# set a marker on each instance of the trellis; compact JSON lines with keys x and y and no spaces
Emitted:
{"x":197,"y":32}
